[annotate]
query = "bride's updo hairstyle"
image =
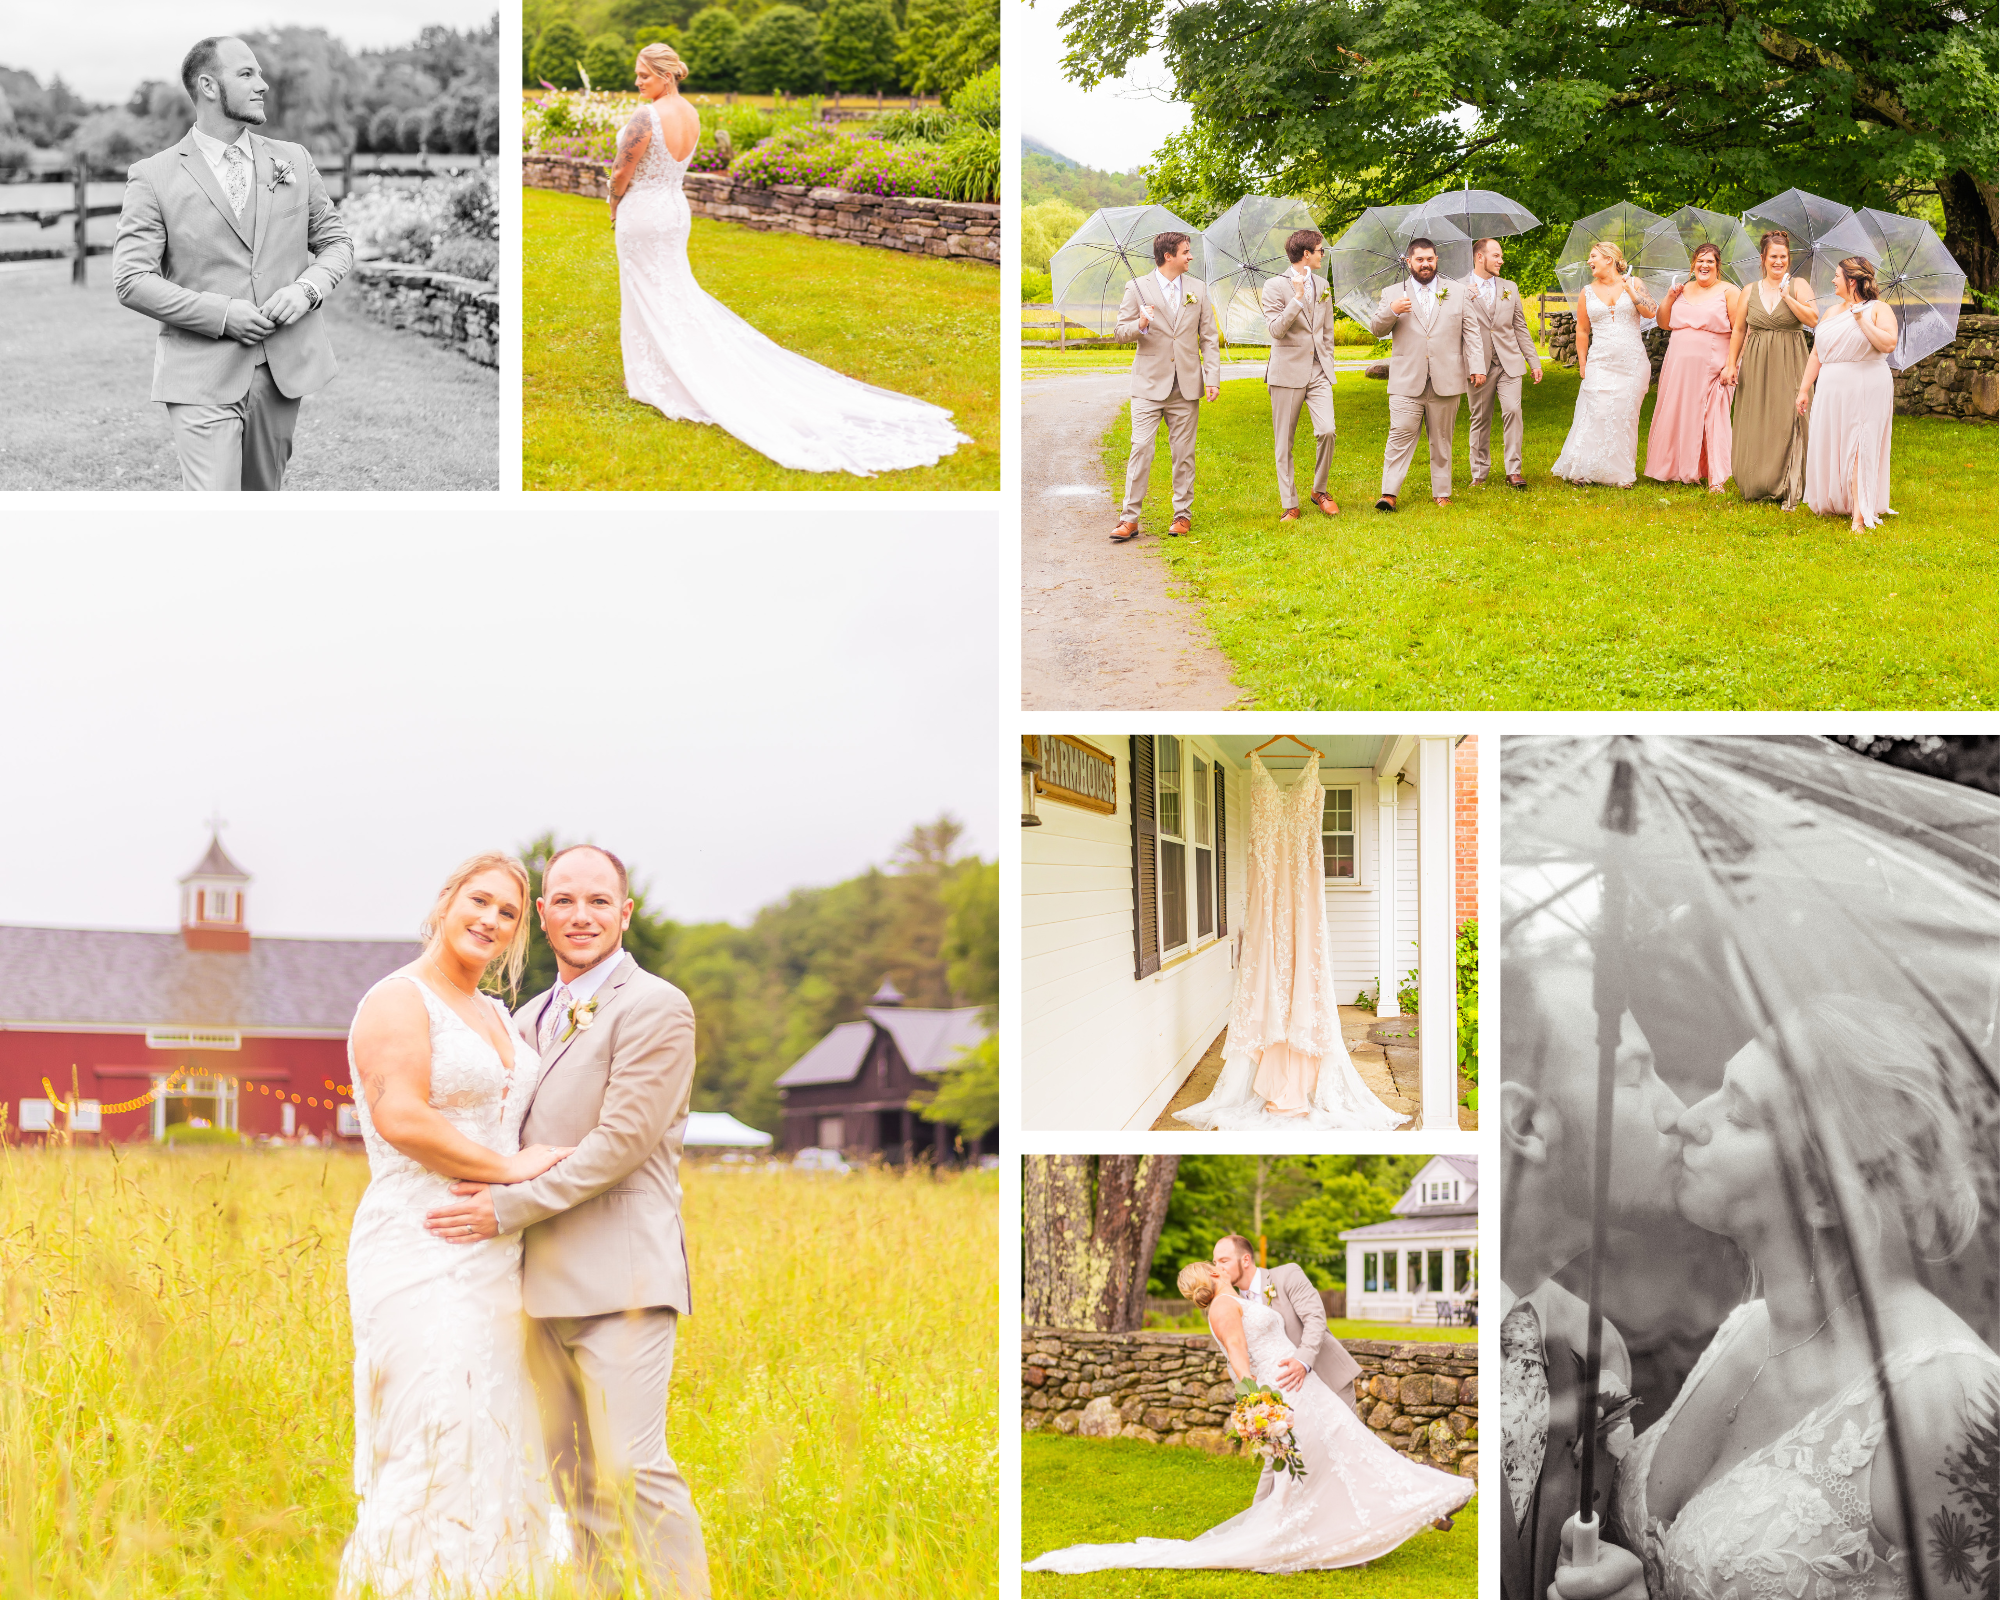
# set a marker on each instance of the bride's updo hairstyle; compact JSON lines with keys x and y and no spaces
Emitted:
{"x":662,"y":61}
{"x":1876,"y":1073}
{"x":1604,"y":247}
{"x":1197,"y":1282}
{"x":512,"y":961}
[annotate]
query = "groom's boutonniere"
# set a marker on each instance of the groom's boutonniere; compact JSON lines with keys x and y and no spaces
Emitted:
{"x":1442,"y":292}
{"x":1187,"y":300}
{"x":582,"y":1013}
{"x":281,"y":173}
{"x":1269,"y":1292}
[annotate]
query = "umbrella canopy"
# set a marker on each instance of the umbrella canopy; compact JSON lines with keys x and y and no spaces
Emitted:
{"x":1652,"y":248}
{"x":1915,"y":275}
{"x":1696,"y":227}
{"x":1804,"y":217}
{"x":1245,"y":249}
{"x":1476,"y":213}
{"x":1368,"y":258}
{"x":1114,"y":246}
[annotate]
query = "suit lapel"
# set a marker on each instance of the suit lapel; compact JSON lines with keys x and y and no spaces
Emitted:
{"x":261,"y":190}
{"x":603,"y":998}
{"x":197,"y":166}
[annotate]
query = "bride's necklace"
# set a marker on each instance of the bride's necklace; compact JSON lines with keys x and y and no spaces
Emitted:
{"x":1773,"y":1356}
{"x":448,"y":982}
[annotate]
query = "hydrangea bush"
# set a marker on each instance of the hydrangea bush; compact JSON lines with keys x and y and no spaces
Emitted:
{"x":450,"y":223}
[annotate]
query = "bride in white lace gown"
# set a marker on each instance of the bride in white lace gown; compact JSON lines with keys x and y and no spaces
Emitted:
{"x":1284,"y":1062}
{"x":1603,"y":442}
{"x":1358,"y":1500}
{"x":448,"y":1455}
{"x":693,"y":359}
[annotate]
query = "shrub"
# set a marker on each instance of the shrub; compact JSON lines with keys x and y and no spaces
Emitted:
{"x":15,"y":153}
{"x":486,"y":135}
{"x":781,"y":52}
{"x":857,"y":42}
{"x":410,"y":130}
{"x":1036,"y":288}
{"x":467,"y":258}
{"x":978,"y":99}
{"x":667,"y":34}
{"x":471,"y":208}
{"x":110,"y":141}
{"x":183,"y":1133}
{"x":608,"y":62}
{"x":808,"y":154}
{"x":1046,"y":227}
{"x":925,"y":125}
{"x":438,"y":126}
{"x":972,"y":163}
{"x":1348,"y":331}
{"x":557,"y":52}
{"x":1468,"y":1008}
{"x":906,"y":169}
{"x":714,"y":49}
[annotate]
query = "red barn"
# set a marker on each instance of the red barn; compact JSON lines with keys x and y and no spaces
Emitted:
{"x":211,"y":1025}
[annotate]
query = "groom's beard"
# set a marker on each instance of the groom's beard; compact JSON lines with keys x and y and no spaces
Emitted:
{"x":242,"y":108}
{"x":1423,"y":274}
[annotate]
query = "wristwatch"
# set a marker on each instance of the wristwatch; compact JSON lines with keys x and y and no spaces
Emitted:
{"x":312,"y":293}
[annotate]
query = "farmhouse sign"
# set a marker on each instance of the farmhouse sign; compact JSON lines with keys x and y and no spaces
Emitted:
{"x":1075,"y":774}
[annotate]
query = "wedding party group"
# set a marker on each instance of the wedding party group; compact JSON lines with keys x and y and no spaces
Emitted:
{"x":1330,"y":1493}
{"x":1739,"y":394}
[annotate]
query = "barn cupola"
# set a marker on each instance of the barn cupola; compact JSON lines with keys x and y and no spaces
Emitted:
{"x":212,"y":903}
{"x":887,"y":995}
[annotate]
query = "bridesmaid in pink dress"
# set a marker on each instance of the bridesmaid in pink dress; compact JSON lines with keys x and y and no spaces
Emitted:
{"x":1690,"y":438}
{"x":1847,"y":447}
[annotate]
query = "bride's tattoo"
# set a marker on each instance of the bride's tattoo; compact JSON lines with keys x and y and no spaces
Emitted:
{"x":1965,"y":1547}
{"x":371,"y":1083}
{"x":630,"y":138}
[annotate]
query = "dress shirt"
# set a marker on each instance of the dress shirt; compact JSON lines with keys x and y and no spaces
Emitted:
{"x":216,"y":153}
{"x":576,"y":990}
{"x":1172,"y":290}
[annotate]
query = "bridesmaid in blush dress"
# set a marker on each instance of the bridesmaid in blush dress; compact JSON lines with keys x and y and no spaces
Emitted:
{"x":1767,"y":357}
{"x":1847,"y":449}
{"x":1690,"y":438}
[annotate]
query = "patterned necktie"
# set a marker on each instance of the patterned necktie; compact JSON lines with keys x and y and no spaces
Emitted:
{"x":236,"y":175}
{"x":553,"y":1014}
{"x":1524,"y":1405}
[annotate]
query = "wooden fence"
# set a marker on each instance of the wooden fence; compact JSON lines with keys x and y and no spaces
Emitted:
{"x":1083,"y":339}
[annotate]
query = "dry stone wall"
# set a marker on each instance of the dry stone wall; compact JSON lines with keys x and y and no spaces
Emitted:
{"x":458,"y":313}
{"x":956,"y":229}
{"x":1421,"y":1399}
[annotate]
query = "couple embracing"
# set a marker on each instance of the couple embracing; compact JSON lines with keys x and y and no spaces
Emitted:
{"x":1357,"y":1499}
{"x":517,"y":1269}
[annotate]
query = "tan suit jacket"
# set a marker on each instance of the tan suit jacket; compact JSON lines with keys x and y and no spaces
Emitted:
{"x":603,"y":1226}
{"x":1301,"y":333}
{"x":1440,"y":358}
{"x":183,"y":254}
{"x":1304,"y":1314}
{"x":1503,"y":328}
{"x":1183,"y":356}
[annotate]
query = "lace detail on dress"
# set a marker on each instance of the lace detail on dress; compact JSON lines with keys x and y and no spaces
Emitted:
{"x":1603,"y":442}
{"x":447,"y":1451}
{"x":1284,"y":997}
{"x":1359,"y":1499}
{"x":692,"y":358}
{"x":1791,"y":1521}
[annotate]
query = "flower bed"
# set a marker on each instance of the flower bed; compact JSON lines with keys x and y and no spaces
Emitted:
{"x":450,"y":224}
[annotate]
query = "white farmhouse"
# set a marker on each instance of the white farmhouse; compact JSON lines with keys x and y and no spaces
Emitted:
{"x":1134,"y":854}
{"x":1420,"y":1265}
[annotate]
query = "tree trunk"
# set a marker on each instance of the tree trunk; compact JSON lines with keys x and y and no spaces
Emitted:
{"x":1089,"y":1227}
{"x":1969,"y":232}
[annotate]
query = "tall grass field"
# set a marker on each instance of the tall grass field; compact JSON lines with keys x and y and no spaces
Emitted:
{"x":176,"y":1411}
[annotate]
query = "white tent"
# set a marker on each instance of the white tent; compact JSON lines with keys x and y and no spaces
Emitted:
{"x":718,"y":1130}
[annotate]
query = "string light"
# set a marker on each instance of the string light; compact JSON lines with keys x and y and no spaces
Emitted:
{"x":172,"y":1084}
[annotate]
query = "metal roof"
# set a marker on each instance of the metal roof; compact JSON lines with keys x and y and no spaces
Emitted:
{"x":1439,"y":1220}
{"x":88,"y":977}
{"x":216,"y":864}
{"x":927,"y":1041}
{"x":835,"y":1059}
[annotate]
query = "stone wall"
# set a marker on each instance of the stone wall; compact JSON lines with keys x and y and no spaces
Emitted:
{"x":458,"y":313}
{"x":921,"y":227}
{"x":1421,"y":1399}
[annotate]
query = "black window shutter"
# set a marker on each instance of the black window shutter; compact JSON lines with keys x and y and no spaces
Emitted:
{"x":1145,"y":860}
{"x":1221,"y":855}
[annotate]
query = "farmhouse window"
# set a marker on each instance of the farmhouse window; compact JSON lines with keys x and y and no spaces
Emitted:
{"x":1389,"y":1271}
{"x":1434,"y":1260}
{"x":1173,"y":845}
{"x":1338,"y":836}
{"x":1461,"y":1270}
{"x":1145,"y":860}
{"x":832,"y":1133}
{"x":1204,"y":857}
{"x":1370,"y":1272}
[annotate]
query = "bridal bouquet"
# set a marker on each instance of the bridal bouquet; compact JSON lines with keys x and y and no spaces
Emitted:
{"x":1263,"y":1421}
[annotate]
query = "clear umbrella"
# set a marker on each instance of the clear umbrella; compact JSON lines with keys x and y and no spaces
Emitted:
{"x":1840,"y":913}
{"x":1245,"y":249}
{"x":1476,"y":213}
{"x":1653,"y":252}
{"x":1914,"y":274}
{"x":1696,"y":227}
{"x":1368,"y":258}
{"x":1114,"y":246}
{"x":1804,"y":218}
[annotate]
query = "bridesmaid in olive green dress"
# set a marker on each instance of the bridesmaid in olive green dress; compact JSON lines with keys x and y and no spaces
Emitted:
{"x":1767,"y":357}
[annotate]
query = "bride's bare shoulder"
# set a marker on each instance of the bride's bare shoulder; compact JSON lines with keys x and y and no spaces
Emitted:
{"x":1225,"y":1310}
{"x":633,"y":136}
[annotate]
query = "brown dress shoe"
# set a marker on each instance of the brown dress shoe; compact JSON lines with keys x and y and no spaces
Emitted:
{"x":1517,"y":480}
{"x":1125,"y":532}
{"x":1443,"y":500}
{"x":1289,"y":514}
{"x":1478,"y":483}
{"x":1179,"y":526}
{"x":1325,"y":502}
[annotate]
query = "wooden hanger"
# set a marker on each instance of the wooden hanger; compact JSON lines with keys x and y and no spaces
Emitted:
{"x":1277,"y":737}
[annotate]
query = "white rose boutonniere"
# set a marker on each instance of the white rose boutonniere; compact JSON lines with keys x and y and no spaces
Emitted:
{"x":582,"y":1013}
{"x":281,"y":173}
{"x":1442,"y":292}
{"x":1270,"y":1293}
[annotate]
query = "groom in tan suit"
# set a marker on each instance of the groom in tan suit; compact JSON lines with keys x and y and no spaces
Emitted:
{"x":1299,"y":373}
{"x":229,"y":242}
{"x":1436,"y":354}
{"x":604,"y":1268}
{"x":1178,"y":364}
{"x":1510,"y":351}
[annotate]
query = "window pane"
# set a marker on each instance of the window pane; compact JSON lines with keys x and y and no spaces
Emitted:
{"x":1434,"y":1259}
{"x":1369,"y":1272}
{"x":1338,"y":836}
{"x":1461,"y":1270}
{"x":1198,"y":804}
{"x":1389,"y":1271}
{"x":1204,"y":893}
{"x":1170,"y":785}
{"x":1173,"y":894}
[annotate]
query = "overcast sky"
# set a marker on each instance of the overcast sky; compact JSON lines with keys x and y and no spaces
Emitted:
{"x":107,"y":50}
{"x":739,"y":702}
{"x":1113,"y":127}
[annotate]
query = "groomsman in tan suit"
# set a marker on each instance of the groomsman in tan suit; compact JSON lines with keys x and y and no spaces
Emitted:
{"x":1178,"y":365}
{"x":1435,"y":355}
{"x":604,"y":1262}
{"x":1510,"y":350}
{"x":229,"y":242}
{"x":1299,"y":373}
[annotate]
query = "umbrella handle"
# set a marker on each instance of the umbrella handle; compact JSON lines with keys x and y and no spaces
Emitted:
{"x":1583,"y":1542}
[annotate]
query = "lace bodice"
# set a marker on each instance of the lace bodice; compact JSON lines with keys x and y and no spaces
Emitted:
{"x":1264,"y":1337}
{"x":1791,"y":1521}
{"x":657,"y":168}
{"x":1603,"y":442}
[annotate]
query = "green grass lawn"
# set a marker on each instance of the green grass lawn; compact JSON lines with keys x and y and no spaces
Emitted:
{"x":916,"y":324}
{"x":1342,"y":1328}
{"x":1654,"y":597}
{"x":1106,"y":1491}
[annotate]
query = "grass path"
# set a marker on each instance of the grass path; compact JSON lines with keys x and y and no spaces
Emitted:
{"x":1655,"y":597}
{"x":916,"y":324}
{"x":1109,"y":1491}
{"x":401,"y":414}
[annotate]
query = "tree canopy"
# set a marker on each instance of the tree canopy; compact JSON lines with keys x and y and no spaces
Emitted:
{"x":1570,"y":105}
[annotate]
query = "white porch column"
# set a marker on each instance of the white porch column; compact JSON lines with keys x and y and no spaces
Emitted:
{"x":1437,"y":975}
{"x":1385,"y":896}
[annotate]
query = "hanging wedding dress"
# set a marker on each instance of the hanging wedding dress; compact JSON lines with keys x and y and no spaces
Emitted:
{"x":692,"y":358}
{"x":1284,"y":1046}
